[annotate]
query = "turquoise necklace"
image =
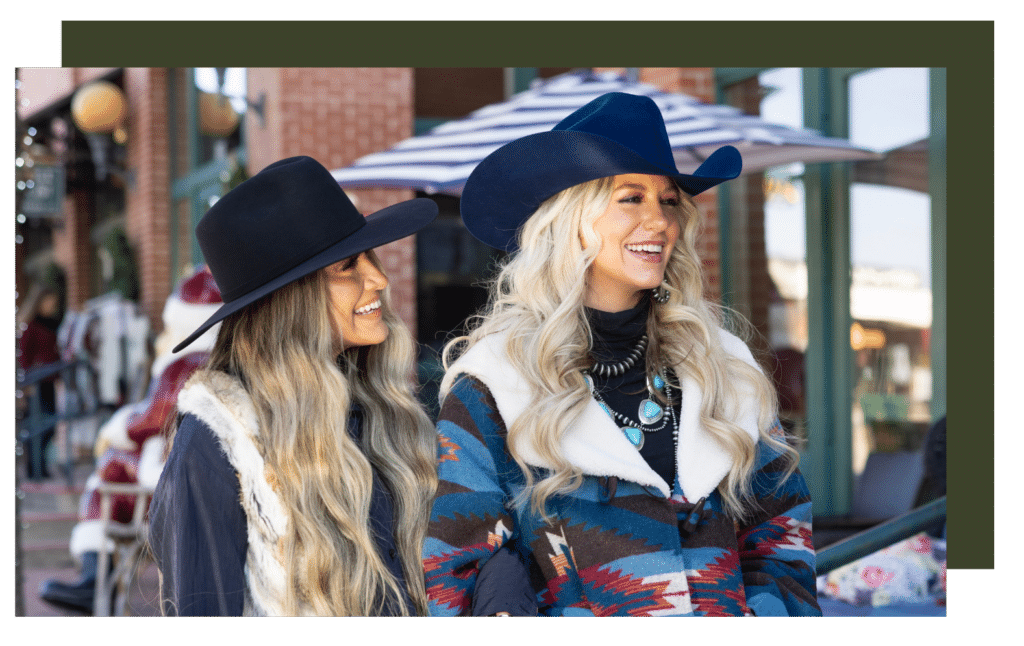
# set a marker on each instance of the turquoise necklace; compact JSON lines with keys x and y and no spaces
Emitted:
{"x":649,"y":413}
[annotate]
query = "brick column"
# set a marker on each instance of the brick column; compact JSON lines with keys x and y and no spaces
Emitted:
{"x":748,"y":239}
{"x":147,"y":198}
{"x":72,"y":249}
{"x":697,"y":82}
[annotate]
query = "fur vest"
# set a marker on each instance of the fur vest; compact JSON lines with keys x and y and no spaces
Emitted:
{"x":220,"y":402}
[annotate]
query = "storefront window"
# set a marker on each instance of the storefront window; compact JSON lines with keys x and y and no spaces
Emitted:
{"x":207,"y":137}
{"x":890,"y":293}
{"x":890,"y":297}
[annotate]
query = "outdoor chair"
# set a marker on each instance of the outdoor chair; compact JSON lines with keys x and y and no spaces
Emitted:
{"x":117,"y":569}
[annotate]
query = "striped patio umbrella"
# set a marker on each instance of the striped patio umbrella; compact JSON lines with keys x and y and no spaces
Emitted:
{"x":440,"y":160}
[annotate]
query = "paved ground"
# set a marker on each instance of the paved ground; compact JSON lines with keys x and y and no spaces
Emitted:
{"x":48,"y":510}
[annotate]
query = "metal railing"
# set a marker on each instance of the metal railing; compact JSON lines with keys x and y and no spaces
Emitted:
{"x":880,"y":536}
{"x":76,"y":405}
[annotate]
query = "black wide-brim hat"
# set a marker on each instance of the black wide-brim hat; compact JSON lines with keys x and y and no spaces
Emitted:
{"x":615,"y":134}
{"x":285,"y":222}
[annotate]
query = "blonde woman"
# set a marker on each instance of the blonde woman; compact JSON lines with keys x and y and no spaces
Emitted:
{"x":598,"y":421}
{"x":302,"y":467}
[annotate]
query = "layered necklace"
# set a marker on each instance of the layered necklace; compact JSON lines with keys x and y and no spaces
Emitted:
{"x":649,"y":413}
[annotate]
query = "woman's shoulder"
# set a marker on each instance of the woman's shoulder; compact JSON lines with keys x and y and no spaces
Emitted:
{"x":484,"y":361}
{"x":470,"y":404}
{"x":220,"y":401}
{"x":214,"y":384}
{"x":485,"y":350}
{"x":196,"y":450}
{"x":735,"y":346}
{"x":469,"y":390}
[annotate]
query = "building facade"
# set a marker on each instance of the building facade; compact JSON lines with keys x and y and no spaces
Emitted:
{"x":185,"y":136}
{"x":177,"y":154}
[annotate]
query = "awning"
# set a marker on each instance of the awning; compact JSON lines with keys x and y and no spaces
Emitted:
{"x":440,"y":160}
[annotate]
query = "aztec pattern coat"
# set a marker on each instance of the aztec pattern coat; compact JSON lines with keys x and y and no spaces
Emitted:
{"x":624,"y":543}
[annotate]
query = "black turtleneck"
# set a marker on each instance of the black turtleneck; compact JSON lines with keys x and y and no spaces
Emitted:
{"x":615,"y":335}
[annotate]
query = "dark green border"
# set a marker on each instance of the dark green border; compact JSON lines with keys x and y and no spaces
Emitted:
{"x":965,"y":48}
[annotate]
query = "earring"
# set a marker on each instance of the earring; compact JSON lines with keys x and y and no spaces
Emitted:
{"x":660,"y":294}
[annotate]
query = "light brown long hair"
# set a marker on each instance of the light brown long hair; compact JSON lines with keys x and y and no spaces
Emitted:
{"x":282,"y":348}
{"x":537,"y":299}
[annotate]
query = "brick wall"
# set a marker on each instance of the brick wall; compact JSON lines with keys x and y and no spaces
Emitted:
{"x":147,"y":198}
{"x":754,"y":286}
{"x":72,"y":250}
{"x":698,"y":82}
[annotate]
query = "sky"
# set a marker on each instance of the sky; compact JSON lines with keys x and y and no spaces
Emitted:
{"x":889,"y":226}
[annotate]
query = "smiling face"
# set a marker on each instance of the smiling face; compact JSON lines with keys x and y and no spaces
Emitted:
{"x":638,"y":230}
{"x":354,"y":289}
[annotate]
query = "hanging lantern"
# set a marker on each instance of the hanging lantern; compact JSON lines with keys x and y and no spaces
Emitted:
{"x":98,"y":107}
{"x":217,"y":117}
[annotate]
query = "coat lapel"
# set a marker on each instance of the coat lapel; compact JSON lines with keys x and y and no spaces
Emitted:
{"x":594,"y":442}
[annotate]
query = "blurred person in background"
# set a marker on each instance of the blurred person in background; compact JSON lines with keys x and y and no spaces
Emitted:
{"x":39,"y":320}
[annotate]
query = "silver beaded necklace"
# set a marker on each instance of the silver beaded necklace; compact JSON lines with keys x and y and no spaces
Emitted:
{"x":604,"y":370}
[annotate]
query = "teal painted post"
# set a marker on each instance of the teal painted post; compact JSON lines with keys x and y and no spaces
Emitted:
{"x":197,"y":210}
{"x":172,"y":146}
{"x":827,"y":459}
{"x":937,"y":192}
{"x":518,"y":79}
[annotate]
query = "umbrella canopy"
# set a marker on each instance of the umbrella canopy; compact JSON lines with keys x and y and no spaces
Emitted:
{"x":903,"y":167}
{"x":440,"y":160}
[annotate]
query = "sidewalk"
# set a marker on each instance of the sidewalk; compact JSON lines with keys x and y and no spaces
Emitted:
{"x":48,"y":512}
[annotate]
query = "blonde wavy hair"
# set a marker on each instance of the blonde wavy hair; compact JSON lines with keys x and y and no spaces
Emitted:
{"x":284,"y":353}
{"x":537,"y":299}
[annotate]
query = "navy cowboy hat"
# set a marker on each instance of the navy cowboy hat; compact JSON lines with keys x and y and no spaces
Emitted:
{"x":286,"y":222}
{"x":614,"y":134}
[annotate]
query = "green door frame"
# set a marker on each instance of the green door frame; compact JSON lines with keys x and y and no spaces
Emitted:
{"x":829,"y":358}
{"x":827,"y":458}
{"x":830,"y":365}
{"x":937,"y":192}
{"x":197,"y":185}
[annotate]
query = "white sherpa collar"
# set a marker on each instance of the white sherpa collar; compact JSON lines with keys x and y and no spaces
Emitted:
{"x":594,"y":442}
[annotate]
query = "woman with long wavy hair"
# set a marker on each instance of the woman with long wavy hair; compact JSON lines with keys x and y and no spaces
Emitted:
{"x":597,"y":420}
{"x":302,"y":467}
